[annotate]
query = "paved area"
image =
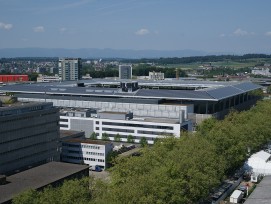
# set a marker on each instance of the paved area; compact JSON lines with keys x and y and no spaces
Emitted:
{"x":104,"y":175}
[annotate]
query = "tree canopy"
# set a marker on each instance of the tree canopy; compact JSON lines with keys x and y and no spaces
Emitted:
{"x":173,"y":170}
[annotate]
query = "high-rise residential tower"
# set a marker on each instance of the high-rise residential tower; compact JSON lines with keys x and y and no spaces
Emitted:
{"x":69,"y":68}
{"x":125,"y":71}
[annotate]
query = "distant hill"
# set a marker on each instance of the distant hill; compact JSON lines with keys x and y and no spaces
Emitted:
{"x":95,"y":53}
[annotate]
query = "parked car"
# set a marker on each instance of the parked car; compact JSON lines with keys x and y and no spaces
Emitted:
{"x":95,"y":168}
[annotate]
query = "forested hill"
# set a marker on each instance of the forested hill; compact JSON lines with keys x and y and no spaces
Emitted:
{"x":208,"y":58}
{"x":163,"y":60}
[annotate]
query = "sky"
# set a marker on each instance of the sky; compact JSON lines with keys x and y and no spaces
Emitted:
{"x":234,"y":26}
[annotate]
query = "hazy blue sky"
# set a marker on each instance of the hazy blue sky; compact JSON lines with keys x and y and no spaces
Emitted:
{"x":240,"y":26}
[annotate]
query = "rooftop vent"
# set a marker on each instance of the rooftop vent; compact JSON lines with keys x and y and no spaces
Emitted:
{"x":129,"y":86}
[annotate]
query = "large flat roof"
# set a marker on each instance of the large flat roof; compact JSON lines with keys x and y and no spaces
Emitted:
{"x":206,"y":90}
{"x":37,"y":177}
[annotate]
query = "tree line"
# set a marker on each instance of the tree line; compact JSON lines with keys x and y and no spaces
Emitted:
{"x":208,"y":58}
{"x":173,"y":170}
{"x":138,"y":70}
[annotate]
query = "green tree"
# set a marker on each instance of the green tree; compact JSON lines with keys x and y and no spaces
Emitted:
{"x":117,"y":138}
{"x":143,"y":142}
{"x":105,"y":136}
{"x":169,"y":172}
{"x":93,"y":136}
{"x":130,"y":139}
{"x":111,"y":157}
{"x":27,"y":197}
{"x":72,"y":191}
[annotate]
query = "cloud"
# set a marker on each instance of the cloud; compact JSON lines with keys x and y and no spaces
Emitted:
{"x":240,"y":32}
{"x":39,"y":29}
{"x":222,"y":35}
{"x":142,"y":31}
{"x":5,"y":26}
{"x":62,"y":30}
{"x":268,"y":33}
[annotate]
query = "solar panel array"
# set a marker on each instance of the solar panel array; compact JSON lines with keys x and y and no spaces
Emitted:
{"x":228,"y":91}
{"x":185,"y":94}
{"x":215,"y":93}
{"x":223,"y":92}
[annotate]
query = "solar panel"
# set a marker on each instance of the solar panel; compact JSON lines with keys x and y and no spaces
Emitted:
{"x":173,"y":94}
{"x":89,"y":90}
{"x":247,"y":86}
{"x":224,"y":92}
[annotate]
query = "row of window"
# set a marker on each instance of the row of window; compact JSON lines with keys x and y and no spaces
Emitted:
{"x":63,"y":125}
{"x":154,"y":133}
{"x":26,"y":147}
{"x":118,"y":130}
{"x":90,"y":146}
{"x":25,"y":157}
{"x":82,"y":158}
{"x":132,"y":137}
{"x":95,"y":153}
{"x":90,"y":153}
{"x":138,"y":125}
{"x":63,"y":120}
{"x":29,"y":116}
{"x":50,"y":133}
{"x":79,"y":145}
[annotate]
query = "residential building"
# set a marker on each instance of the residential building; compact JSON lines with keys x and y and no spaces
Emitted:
{"x":125,"y":71}
{"x":85,"y":151}
{"x":70,"y":69}
{"x":45,"y":78}
{"x":156,"y":75}
{"x":264,"y":71}
{"x":29,"y":134}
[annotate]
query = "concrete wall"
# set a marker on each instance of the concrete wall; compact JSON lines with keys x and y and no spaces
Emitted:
{"x":82,"y":125}
{"x":144,"y":110}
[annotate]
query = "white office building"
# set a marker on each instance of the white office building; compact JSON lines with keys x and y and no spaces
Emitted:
{"x":125,"y":125}
{"x":85,"y":151}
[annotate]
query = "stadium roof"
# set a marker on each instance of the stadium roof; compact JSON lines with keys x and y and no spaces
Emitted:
{"x":209,"y":91}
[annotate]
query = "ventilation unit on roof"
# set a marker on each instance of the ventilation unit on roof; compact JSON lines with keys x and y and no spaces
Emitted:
{"x":129,"y":86}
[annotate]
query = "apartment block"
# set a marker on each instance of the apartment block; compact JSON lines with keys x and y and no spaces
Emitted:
{"x":70,"y":69}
